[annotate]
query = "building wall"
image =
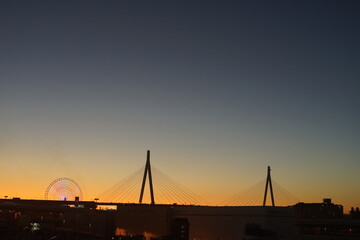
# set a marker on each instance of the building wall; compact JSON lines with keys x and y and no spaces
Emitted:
{"x":132,"y":219}
{"x":211,"y":223}
{"x":216,"y":223}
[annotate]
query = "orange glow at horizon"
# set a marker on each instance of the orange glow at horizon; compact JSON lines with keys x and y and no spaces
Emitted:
{"x":215,"y":199}
{"x":20,"y":182}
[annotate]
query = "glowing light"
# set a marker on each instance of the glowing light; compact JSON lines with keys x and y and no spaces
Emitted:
{"x":63,"y":189}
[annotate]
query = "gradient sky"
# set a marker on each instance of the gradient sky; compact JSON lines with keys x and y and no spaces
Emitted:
{"x":217,"y":90}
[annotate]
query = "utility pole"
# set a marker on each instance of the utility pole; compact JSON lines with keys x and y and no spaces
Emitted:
{"x":268,"y":183}
{"x":147,"y":170}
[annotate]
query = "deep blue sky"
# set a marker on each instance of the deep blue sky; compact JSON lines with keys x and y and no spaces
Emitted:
{"x":86,"y":87}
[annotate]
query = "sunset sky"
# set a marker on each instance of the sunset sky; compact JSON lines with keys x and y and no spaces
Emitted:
{"x":217,"y":90}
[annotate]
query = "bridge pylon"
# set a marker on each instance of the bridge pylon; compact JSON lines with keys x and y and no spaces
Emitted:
{"x":147,"y":171}
{"x":268,"y":183}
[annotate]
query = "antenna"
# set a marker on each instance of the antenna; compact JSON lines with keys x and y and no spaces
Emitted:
{"x":268,"y":182}
{"x":147,"y":170}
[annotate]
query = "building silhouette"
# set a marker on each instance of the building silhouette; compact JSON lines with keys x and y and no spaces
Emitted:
{"x":326,"y":209}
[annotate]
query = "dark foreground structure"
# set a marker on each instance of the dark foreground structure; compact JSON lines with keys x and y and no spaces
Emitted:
{"x":42,"y":219}
{"x":325,"y":221}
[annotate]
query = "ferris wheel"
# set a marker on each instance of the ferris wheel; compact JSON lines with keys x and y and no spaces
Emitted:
{"x":63,"y":189}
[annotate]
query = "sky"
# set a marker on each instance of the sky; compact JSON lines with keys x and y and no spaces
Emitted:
{"x":217,"y":90}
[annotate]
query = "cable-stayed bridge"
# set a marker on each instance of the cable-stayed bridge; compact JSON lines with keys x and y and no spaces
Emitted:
{"x":165,"y":190}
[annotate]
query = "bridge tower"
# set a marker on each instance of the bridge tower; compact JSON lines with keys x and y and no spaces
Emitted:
{"x":268,"y":183}
{"x":147,"y":170}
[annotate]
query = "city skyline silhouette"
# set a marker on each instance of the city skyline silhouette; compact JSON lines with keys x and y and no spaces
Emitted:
{"x":65,"y":214}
